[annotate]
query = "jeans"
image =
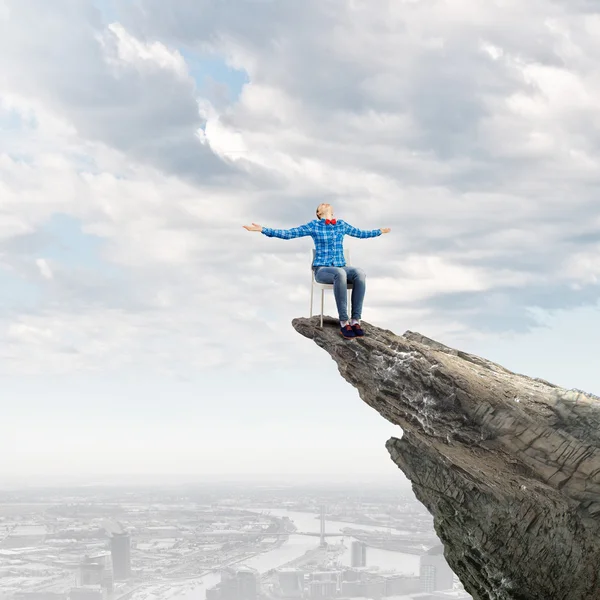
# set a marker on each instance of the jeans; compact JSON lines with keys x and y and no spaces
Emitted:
{"x":340,"y":277}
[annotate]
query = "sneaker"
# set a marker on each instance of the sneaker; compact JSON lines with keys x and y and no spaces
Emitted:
{"x":358,"y":331}
{"x":347,"y":331}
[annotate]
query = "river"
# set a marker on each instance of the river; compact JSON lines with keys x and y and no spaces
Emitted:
{"x":297,"y":545}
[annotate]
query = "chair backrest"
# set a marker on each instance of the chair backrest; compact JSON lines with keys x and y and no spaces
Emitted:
{"x":346,"y":257}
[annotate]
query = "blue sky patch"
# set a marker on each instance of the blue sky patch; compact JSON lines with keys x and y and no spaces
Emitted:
{"x":68,"y":245}
{"x":18,"y":294}
{"x":212,"y":73}
{"x":108,"y":10}
{"x":11,"y":120}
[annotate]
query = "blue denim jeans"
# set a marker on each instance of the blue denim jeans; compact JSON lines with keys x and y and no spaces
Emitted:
{"x":340,"y":277}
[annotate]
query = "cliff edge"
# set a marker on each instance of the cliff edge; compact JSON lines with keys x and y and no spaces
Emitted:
{"x":508,"y":465}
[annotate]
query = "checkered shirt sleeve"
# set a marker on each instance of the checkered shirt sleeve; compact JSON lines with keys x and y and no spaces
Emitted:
{"x":360,"y":233}
{"x":288,"y":234}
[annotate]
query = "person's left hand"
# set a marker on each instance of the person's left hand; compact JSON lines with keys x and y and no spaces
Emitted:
{"x":385,"y":230}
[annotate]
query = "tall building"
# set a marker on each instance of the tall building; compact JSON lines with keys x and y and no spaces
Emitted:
{"x":97,"y":570}
{"x":90,"y":573}
{"x":358,"y":556}
{"x":322,"y":520}
{"x":120,"y":550}
{"x":434,"y":572}
{"x":247,"y":584}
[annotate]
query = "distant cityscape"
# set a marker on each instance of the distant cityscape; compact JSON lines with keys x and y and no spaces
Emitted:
{"x":219,"y":543}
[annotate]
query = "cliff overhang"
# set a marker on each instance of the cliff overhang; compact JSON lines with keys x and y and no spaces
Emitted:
{"x":508,"y":465}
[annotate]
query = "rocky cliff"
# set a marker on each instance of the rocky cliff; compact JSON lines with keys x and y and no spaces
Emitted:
{"x":508,"y":465}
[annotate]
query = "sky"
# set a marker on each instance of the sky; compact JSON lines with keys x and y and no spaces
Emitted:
{"x":143,"y":330}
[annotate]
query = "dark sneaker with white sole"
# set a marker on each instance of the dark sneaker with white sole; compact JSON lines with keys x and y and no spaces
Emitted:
{"x":347,"y":331}
{"x":358,"y":331}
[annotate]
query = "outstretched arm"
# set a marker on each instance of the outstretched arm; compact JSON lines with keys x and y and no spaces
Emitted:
{"x":284,"y":234}
{"x":363,"y":233}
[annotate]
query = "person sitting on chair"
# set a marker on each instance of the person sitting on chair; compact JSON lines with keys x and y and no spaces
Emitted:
{"x":329,"y":265}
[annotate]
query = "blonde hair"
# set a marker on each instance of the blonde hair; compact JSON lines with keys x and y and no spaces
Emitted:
{"x":319,"y":209}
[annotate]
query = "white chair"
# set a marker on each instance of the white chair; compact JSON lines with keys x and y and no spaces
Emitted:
{"x":324,"y":286}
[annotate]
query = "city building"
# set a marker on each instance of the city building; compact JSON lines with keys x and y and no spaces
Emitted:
{"x":325,"y":584}
{"x":374,"y":587}
{"x":322,"y":541}
{"x":237,"y":583}
{"x":352,"y":584}
{"x":291,"y":582}
{"x":352,"y":575}
{"x":434,"y":571}
{"x":120,"y":550}
{"x":352,"y":589}
{"x":247,"y":584}
{"x":97,"y":570}
{"x":326,"y":576}
{"x":322,"y":589}
{"x":90,"y":573}
{"x":358,"y":556}
{"x":359,"y":583}
{"x":397,"y":585}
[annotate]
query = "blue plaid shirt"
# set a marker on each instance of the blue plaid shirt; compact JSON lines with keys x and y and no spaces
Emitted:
{"x":328,"y":239}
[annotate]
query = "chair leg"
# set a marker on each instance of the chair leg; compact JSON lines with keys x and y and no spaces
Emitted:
{"x":312,"y":289}
{"x":322,"y":304}
{"x":349,"y":299}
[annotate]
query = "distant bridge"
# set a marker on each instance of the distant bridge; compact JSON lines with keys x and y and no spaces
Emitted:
{"x":321,"y":535}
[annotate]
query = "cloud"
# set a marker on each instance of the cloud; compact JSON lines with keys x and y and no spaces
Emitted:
{"x":470,"y":129}
{"x":45,"y":270}
{"x":471,"y":139}
{"x":137,"y":98}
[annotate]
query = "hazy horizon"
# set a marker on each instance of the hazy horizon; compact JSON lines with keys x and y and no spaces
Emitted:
{"x":167,"y":479}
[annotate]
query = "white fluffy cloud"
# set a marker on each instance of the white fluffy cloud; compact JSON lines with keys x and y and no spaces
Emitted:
{"x":470,"y":128}
{"x":134,"y":97}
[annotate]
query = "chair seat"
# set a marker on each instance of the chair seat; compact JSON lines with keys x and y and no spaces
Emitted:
{"x":328,"y":286}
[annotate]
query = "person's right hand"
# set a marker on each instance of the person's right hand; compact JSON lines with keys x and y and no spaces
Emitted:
{"x":253,"y":227}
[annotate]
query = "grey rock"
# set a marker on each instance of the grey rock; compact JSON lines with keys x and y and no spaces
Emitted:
{"x":508,"y":465}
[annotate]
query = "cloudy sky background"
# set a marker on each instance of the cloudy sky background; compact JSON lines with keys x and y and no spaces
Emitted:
{"x":143,"y":330}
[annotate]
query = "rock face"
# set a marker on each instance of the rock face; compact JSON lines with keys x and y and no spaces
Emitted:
{"x":509,"y":466}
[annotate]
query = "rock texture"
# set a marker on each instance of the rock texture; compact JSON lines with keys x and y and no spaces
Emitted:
{"x":509,"y":466}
